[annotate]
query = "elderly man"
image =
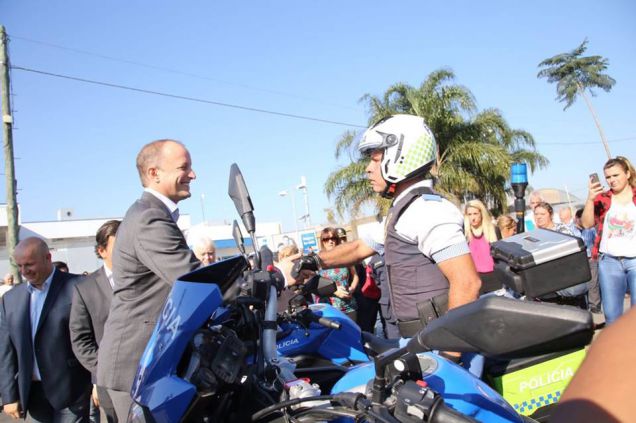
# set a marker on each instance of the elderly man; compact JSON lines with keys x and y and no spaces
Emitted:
{"x":39,"y":374}
{"x":7,"y":284}
{"x":150,"y":254}
{"x":205,"y":250}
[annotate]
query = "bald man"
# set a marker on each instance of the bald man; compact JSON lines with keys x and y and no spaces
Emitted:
{"x":150,"y":253}
{"x":39,"y":374}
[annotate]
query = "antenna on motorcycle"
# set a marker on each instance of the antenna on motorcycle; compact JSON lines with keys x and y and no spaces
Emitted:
{"x":237,"y":190}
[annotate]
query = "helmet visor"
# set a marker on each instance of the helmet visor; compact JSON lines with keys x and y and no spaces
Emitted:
{"x":371,"y":140}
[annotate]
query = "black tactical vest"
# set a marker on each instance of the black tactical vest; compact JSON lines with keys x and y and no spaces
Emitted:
{"x":413,"y":276}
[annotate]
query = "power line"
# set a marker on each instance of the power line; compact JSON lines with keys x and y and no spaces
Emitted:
{"x":174,"y":71}
{"x":186,"y":98}
{"x":586,"y":142}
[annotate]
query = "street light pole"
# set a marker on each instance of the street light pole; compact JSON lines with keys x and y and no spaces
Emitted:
{"x":290,"y":193}
{"x":303,"y":187}
{"x":203,"y":209}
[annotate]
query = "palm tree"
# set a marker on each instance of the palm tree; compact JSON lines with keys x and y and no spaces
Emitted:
{"x":575,"y":75}
{"x":475,"y":149}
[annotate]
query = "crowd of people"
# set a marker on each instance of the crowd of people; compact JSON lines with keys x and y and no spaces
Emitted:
{"x":65,"y":339}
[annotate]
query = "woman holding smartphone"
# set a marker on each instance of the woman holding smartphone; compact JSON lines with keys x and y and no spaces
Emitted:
{"x":614,"y":213}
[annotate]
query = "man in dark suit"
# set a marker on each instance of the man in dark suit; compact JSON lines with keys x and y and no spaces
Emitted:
{"x":91,"y":303}
{"x":150,"y":254}
{"x":39,"y":374}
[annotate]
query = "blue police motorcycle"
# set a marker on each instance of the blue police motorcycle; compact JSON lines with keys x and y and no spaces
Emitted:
{"x":213,"y":355}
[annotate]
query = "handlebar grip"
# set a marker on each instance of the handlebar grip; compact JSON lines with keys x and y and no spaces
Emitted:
{"x":445,"y":414}
{"x":295,"y":271}
{"x":310,"y":262}
{"x":328,"y":323}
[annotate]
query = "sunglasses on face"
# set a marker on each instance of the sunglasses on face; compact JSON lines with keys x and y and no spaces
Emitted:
{"x":331,"y":238}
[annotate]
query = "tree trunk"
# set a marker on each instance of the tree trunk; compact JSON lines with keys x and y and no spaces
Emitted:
{"x":596,"y":121}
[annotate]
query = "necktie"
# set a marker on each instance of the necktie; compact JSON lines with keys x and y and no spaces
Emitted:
{"x":175,"y":215}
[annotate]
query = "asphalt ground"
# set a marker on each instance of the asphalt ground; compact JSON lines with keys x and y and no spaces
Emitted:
{"x":598,"y":318}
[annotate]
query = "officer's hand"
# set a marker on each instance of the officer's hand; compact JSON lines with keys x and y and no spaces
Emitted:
{"x":95,"y":397}
{"x":287,"y":265}
{"x":12,"y":410}
{"x":308,"y":263}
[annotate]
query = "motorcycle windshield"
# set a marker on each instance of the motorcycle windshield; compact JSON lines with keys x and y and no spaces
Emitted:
{"x":194,"y":297}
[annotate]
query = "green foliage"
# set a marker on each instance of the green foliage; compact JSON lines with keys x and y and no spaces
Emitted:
{"x":476,"y":149}
{"x":574,"y":74}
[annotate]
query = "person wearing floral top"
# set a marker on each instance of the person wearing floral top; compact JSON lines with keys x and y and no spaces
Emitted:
{"x":346,"y":278}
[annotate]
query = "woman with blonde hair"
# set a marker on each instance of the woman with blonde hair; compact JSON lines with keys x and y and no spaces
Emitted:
{"x":480,"y":232}
{"x":507,"y":226}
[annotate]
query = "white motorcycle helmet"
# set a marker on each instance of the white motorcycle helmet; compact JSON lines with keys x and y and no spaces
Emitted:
{"x":409,"y":148}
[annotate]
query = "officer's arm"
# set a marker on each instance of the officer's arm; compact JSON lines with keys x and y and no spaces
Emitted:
{"x":463,"y":280}
{"x":346,"y":254}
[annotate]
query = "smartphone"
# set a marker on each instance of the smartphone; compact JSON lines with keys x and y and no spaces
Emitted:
{"x":594,"y":178}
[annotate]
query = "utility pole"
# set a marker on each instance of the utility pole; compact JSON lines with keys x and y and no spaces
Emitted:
{"x":9,"y":166}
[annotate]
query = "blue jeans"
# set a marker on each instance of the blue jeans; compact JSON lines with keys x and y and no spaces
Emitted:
{"x":615,"y":275}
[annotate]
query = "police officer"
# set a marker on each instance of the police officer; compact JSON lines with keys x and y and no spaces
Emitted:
{"x":426,"y":255}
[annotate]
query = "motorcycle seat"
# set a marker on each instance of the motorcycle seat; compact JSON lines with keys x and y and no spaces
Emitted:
{"x":375,"y":345}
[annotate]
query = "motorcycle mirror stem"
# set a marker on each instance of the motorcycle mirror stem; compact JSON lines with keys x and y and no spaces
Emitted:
{"x":237,"y":190}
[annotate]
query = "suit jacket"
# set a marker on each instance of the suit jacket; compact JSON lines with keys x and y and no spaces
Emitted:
{"x":150,"y":253}
{"x":64,"y":379}
{"x":91,"y":303}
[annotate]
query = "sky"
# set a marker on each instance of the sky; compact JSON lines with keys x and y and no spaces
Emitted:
{"x":75,"y":143}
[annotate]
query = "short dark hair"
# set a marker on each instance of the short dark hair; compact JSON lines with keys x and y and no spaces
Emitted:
{"x":545,"y":205}
{"x":104,"y":232}
{"x":61,"y":266}
{"x":578,"y":213}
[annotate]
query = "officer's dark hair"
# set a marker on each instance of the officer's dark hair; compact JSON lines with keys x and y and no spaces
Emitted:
{"x":104,"y":232}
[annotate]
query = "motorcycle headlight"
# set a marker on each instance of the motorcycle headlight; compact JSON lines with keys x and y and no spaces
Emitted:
{"x":139,"y":414}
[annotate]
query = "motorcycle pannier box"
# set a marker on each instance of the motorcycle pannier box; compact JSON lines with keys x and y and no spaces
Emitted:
{"x":540,"y":262}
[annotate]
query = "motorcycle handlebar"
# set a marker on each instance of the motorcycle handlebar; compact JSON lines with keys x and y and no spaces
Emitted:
{"x":445,"y":414}
{"x":328,"y":323}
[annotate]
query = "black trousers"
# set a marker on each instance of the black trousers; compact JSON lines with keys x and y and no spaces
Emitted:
{"x":40,"y":410}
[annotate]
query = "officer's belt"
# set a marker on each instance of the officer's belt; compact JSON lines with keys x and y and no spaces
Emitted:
{"x":427,"y":310}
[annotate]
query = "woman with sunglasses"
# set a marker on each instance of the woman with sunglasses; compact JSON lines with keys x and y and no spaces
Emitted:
{"x":346,"y":278}
{"x":614,"y":214}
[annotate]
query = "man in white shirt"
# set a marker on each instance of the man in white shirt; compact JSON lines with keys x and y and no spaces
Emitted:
{"x":39,"y":374}
{"x":149,"y":255}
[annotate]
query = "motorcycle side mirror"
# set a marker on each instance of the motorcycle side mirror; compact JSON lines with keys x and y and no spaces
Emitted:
{"x":238,"y":237}
{"x":237,"y":190}
{"x":499,"y":327}
{"x":320,"y":286}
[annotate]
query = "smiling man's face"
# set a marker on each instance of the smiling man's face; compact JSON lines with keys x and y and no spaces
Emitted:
{"x":174,"y":172}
